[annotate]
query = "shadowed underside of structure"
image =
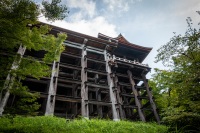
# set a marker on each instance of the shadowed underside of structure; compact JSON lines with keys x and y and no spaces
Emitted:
{"x":96,"y":77}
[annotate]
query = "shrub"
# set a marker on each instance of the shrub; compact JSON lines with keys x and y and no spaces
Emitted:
{"x":184,"y":123}
{"x":44,"y":124}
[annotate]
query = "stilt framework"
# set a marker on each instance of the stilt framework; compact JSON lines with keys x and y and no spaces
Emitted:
{"x":99,"y":77}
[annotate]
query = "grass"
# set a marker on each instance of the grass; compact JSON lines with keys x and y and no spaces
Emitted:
{"x":44,"y":124}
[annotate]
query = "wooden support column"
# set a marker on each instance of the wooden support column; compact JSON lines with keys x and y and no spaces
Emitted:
{"x":75,"y":109}
{"x":119,"y":99}
{"x":51,"y":99}
{"x":125,"y":109}
{"x":75,"y":104}
{"x":137,"y":102}
{"x":99,"y":107}
{"x":115,"y":111}
{"x":10,"y":80}
{"x":91,"y":106}
{"x":84,"y":87}
{"x":75,"y":74}
{"x":153,"y":106}
{"x":75,"y":90}
{"x":98,"y":97}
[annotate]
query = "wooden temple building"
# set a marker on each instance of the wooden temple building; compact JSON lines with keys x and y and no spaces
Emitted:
{"x":96,"y":77}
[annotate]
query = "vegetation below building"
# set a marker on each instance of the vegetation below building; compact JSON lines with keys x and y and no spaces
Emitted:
{"x":45,"y":124}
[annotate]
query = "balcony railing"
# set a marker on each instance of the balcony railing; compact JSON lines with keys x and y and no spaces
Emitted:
{"x":129,"y":61}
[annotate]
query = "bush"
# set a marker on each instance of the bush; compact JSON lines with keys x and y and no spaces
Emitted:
{"x":44,"y":124}
{"x":184,"y":123}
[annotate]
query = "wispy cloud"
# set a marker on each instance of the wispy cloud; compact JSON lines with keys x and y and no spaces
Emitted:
{"x":85,"y":8}
{"x":119,"y":5}
{"x":92,"y":27}
{"x":85,"y":19}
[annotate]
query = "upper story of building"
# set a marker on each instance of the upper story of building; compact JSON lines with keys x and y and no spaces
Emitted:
{"x":121,"y":49}
{"x":127,"y":50}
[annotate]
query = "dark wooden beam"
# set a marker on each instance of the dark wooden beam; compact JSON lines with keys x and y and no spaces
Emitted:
{"x":67,"y":99}
{"x":69,"y":80}
{"x":96,"y":85}
{"x":70,"y":55}
{"x":95,"y":71}
{"x":70,"y":66}
{"x":137,"y":102}
{"x":84,"y":88}
{"x":153,"y":106}
{"x":100,"y":103}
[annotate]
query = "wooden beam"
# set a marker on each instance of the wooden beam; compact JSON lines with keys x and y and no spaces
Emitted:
{"x":100,"y":103}
{"x":37,"y":81}
{"x":153,"y":106}
{"x":10,"y":80}
{"x":69,"y":80}
{"x":126,"y":76}
{"x":70,"y":54}
{"x":98,"y":96}
{"x":130,"y":106}
{"x":95,"y":50}
{"x":96,"y":85}
{"x":95,"y":60}
{"x":127,"y":95}
{"x":115,"y":111}
{"x":137,"y":102}
{"x":125,"y":84}
{"x":95,"y":71}
{"x":72,"y":44}
{"x":64,"y":85}
{"x":70,"y":66}
{"x":67,"y":99}
{"x":84,"y":88}
{"x":119,"y":98}
{"x":52,"y":89}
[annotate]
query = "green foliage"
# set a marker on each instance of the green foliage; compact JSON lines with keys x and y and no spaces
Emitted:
{"x":185,"y":122}
{"x":26,"y":102}
{"x":19,"y":27}
{"x":177,"y":90}
{"x":46,"y":124}
{"x":53,"y":11}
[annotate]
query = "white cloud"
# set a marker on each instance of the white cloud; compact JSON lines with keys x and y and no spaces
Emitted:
{"x":85,"y":19}
{"x":91,"y":27}
{"x":87,"y":8}
{"x":119,"y":5}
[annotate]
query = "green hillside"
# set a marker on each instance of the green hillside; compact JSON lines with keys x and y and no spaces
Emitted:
{"x":44,"y":124}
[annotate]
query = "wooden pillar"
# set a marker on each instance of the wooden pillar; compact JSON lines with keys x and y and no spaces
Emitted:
{"x":153,"y":106}
{"x":75,"y":109}
{"x":98,"y":97}
{"x":119,"y":98}
{"x":137,"y":102}
{"x":52,"y":89}
{"x":75,"y":74}
{"x":112,"y":89}
{"x":99,"y":107}
{"x":74,"y":90}
{"x":75,"y":104}
{"x":10,"y":80}
{"x":91,"y":106}
{"x":84,"y":87}
{"x":125,"y":109}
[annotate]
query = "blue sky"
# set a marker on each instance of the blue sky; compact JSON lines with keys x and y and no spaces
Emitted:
{"x":149,"y":23}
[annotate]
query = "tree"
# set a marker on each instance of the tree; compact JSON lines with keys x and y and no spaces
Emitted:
{"x":19,"y":29}
{"x":179,"y":87}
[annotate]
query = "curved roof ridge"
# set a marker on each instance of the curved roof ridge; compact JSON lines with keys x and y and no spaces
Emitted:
{"x":121,"y":37}
{"x":123,"y":40}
